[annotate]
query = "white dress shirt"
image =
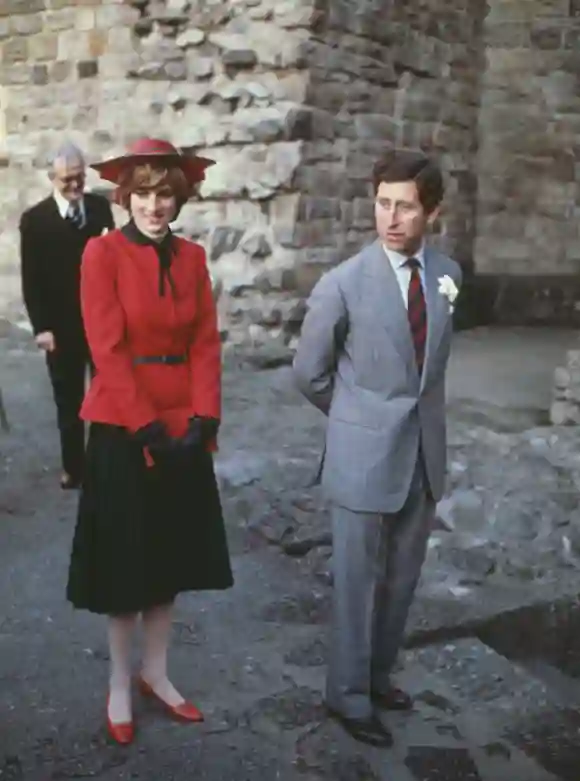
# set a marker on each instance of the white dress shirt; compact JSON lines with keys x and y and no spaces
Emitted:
{"x":403,"y":272}
{"x":64,"y":206}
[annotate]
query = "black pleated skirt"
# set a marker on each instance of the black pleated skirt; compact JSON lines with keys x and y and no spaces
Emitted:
{"x":144,"y":534}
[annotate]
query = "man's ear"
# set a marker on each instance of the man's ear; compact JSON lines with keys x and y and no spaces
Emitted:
{"x":434,"y":215}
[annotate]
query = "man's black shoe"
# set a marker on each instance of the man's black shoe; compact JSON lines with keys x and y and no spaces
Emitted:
{"x":370,"y":730}
{"x":393,"y":699}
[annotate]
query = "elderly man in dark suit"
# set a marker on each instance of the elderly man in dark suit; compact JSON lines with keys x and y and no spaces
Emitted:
{"x":372,"y":357}
{"x":53,"y":235}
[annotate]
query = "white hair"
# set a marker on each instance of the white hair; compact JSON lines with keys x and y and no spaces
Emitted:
{"x":69,"y":153}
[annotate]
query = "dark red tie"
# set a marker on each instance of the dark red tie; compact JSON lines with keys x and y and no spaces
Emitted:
{"x":417,"y":312}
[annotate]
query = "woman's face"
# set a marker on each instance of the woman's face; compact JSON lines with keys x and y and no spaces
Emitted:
{"x":153,"y":210}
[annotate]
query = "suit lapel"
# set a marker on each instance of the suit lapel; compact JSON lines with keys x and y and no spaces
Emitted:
{"x":387,"y":301}
{"x":52,"y":212}
{"x":437,"y":314}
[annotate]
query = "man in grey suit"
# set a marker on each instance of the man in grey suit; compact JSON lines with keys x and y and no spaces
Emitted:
{"x":372,"y":357}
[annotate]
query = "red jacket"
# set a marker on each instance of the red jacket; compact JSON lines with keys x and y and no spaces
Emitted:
{"x":125,"y":317}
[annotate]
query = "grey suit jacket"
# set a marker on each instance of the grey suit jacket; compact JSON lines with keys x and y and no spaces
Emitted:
{"x":355,"y":361}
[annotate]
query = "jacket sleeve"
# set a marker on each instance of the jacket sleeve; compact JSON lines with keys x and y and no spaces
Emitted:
{"x":322,"y":336}
{"x":205,"y":350}
{"x":104,"y":323}
{"x":33,"y":280}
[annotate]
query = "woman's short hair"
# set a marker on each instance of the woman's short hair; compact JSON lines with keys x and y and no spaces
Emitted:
{"x":145,"y":176}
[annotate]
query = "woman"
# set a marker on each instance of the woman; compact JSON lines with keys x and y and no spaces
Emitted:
{"x":149,"y":523}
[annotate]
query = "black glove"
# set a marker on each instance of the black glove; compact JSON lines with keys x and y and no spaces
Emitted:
{"x":155,"y":438}
{"x":199,"y":432}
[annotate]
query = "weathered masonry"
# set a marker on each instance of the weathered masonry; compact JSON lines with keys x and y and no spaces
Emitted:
{"x":295,"y":98}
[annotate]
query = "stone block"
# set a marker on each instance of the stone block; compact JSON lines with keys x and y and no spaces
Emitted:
{"x":191,"y":37}
{"x":327,"y":182}
{"x":554,"y":8}
{"x":84,"y":118}
{"x":60,"y":71}
{"x":315,"y":233}
{"x":56,"y":21}
{"x":239,"y":58}
{"x":561,"y":413}
{"x":197,"y":220}
{"x":260,"y":125}
{"x":74,"y":45}
{"x":285,"y":208}
{"x":159,"y":70}
{"x":87,"y":69}
{"x":548,"y":37}
{"x":14,"y":7}
{"x":330,"y":153}
{"x":256,"y":245}
{"x":314,"y":208}
{"x":201,"y":67}
{"x":116,"y":66}
{"x":40,"y":75}
{"x":98,"y":43}
{"x":43,"y":47}
{"x":507,"y":35}
{"x":258,"y":170}
{"x":110,"y":16}
{"x":374,"y":126}
{"x":85,"y":19}
{"x":14,"y":50}
{"x":224,"y":239}
{"x":57,"y":5}
{"x":26,"y":24}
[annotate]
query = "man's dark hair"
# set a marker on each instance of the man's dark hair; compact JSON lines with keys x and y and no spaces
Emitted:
{"x":405,"y":165}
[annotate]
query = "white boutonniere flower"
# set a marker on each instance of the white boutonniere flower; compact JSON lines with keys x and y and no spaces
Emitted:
{"x":448,"y":288}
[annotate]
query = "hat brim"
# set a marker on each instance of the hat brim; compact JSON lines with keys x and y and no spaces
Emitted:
{"x":193,"y":166}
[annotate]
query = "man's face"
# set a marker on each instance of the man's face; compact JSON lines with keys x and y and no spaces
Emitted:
{"x":68,"y":177}
{"x":400,"y":217}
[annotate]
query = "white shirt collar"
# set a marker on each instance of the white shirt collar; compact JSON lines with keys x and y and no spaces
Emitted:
{"x":398,"y":260}
{"x":63,"y":205}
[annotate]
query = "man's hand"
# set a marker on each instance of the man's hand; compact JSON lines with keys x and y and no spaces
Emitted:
{"x":45,"y":341}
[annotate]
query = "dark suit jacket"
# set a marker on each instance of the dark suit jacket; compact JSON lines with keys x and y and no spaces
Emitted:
{"x":51,"y":250}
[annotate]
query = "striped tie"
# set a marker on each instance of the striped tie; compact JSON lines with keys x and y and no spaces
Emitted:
{"x":417,"y":312}
{"x":75,"y":215}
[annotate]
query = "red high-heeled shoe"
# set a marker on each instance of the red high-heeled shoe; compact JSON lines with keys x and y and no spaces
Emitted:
{"x":185,"y":711}
{"x":122,"y":733}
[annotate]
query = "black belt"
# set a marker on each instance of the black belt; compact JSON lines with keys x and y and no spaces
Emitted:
{"x":168,"y":360}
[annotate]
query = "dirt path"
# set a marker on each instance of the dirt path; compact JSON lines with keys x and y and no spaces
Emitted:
{"x":252,"y":658}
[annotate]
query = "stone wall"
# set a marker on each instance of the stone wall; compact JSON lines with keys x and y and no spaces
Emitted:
{"x":295,"y":99}
{"x":529,"y":133}
{"x":219,"y":76}
{"x":387,"y":74}
{"x":527,"y":247}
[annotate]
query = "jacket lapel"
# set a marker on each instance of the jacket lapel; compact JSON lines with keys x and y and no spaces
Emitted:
{"x":387,"y":301}
{"x":437,"y":310}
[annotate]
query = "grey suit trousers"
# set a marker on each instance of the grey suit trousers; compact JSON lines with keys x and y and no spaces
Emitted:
{"x":377,"y":560}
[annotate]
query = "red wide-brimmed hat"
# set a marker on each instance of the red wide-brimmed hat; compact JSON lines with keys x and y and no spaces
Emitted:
{"x":148,"y":150}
